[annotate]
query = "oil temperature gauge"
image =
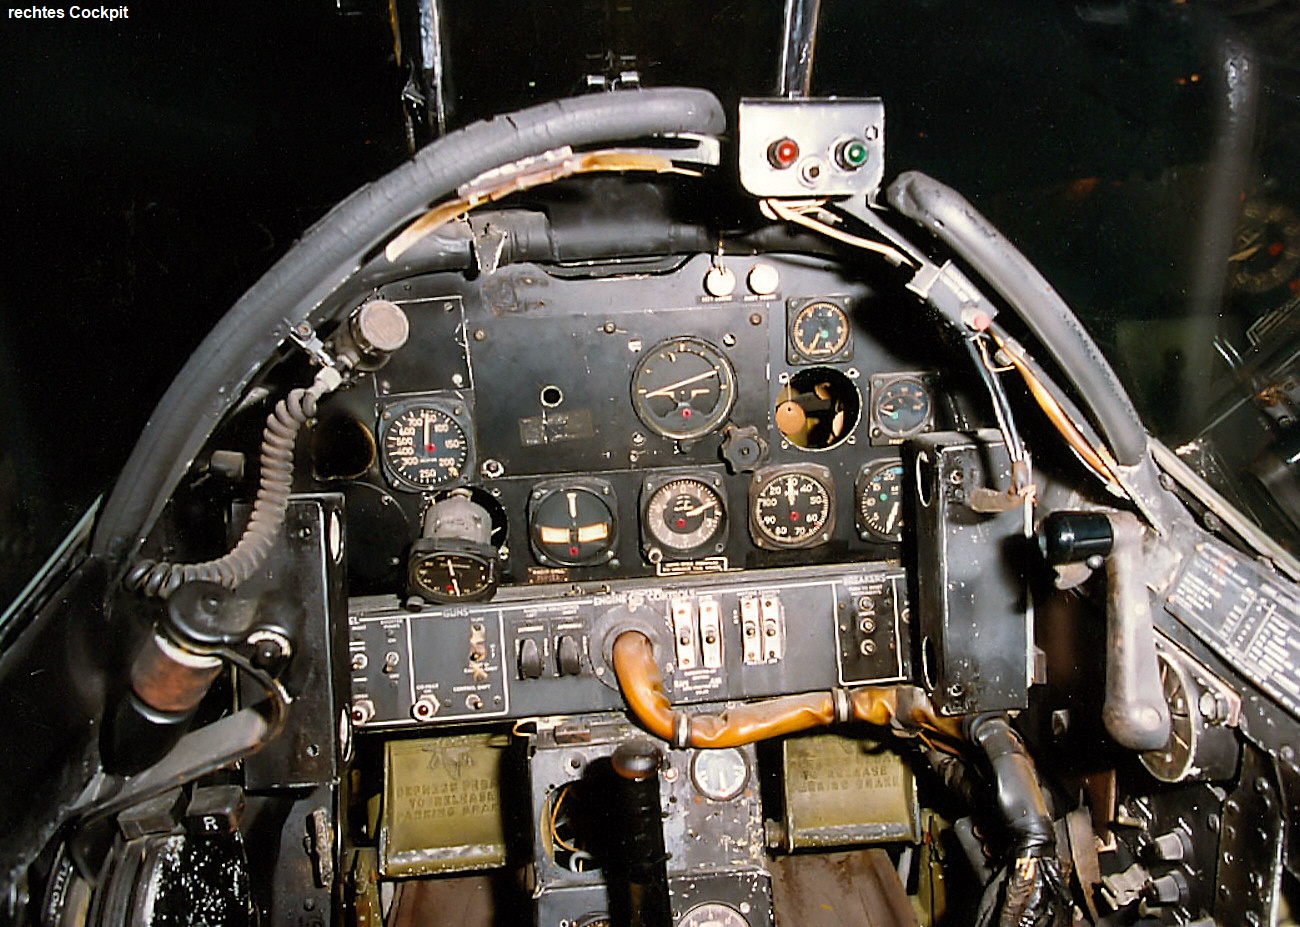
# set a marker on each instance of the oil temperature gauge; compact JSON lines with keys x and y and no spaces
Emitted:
{"x":681,"y":516}
{"x":792,"y":507}
{"x":879,"y":491}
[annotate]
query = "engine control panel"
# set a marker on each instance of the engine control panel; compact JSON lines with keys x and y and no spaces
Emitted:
{"x":717,"y":638}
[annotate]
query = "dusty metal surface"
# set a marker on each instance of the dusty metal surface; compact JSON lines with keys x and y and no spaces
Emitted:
{"x":855,"y":889}
{"x":841,"y":791}
{"x":442,"y":806}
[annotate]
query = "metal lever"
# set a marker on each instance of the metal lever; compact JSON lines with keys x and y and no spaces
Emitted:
{"x":1135,"y":711}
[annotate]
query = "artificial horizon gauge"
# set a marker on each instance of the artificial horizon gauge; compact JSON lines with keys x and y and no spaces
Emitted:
{"x":423,"y":444}
{"x":819,"y":331}
{"x":1266,"y":250}
{"x":682,"y":515}
{"x":572,"y":522}
{"x":879,"y":509}
{"x":902,"y":406}
{"x":792,"y":507}
{"x":683,"y":388}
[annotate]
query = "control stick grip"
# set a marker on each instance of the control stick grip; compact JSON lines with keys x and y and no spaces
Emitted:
{"x":637,"y":764}
{"x":1135,"y":712}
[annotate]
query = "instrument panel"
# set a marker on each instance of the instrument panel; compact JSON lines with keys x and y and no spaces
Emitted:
{"x":620,"y":424}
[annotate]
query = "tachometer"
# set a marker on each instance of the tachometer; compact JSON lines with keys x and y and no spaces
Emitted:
{"x":792,"y":507}
{"x":424,"y":444}
{"x":681,"y":516}
{"x":683,"y":388}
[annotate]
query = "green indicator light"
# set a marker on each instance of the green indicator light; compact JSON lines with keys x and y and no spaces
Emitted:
{"x":852,"y":154}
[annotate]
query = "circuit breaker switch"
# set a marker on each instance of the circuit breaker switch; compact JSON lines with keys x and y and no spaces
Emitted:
{"x":683,"y":618}
{"x":773,"y":623}
{"x":710,"y":634}
{"x":751,"y":633}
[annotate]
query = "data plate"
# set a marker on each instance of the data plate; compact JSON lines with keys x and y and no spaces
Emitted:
{"x":1249,"y":616}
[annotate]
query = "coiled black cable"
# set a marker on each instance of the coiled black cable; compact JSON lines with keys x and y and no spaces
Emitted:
{"x":275,"y":482}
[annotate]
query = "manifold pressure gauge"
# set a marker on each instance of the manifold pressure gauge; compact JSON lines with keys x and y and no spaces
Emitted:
{"x":682,"y":515}
{"x":792,"y":507}
{"x":424,"y":443}
{"x":683,"y":388}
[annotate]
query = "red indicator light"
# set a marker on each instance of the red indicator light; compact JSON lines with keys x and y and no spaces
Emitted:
{"x":782,"y":153}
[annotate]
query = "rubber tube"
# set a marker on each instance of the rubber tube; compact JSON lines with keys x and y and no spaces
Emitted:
{"x":958,"y":224}
{"x":330,"y":253}
{"x":638,"y":675}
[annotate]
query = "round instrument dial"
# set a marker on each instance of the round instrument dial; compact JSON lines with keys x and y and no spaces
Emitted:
{"x":713,"y":914}
{"x":452,"y":576}
{"x":880,"y":501}
{"x":572,"y":524}
{"x":683,"y":389}
{"x":684,"y":515}
{"x":1266,"y":251}
{"x":902,"y":407}
{"x":720,"y":775}
{"x":792,"y":507}
{"x":423,"y":447}
{"x":820,"y":330}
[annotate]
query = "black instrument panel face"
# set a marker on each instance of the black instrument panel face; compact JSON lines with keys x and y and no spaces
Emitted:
{"x":633,"y":425}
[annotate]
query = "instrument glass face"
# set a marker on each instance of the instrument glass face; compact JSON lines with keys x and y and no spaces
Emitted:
{"x":423,"y":447}
{"x":684,"y":515}
{"x":683,"y":389}
{"x":879,"y":507}
{"x":792,"y":507}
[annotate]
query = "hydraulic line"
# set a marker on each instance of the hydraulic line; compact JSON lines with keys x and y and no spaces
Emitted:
{"x":275,"y":482}
{"x":903,"y":708}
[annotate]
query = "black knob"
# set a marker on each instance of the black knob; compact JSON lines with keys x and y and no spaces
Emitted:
{"x":530,"y":659}
{"x":568,"y":655}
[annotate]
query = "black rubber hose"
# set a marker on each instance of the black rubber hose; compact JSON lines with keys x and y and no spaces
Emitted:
{"x":331,"y":252}
{"x":958,"y":224}
{"x":1020,"y":799}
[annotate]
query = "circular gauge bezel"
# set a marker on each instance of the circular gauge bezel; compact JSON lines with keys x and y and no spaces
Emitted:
{"x":479,"y":566}
{"x":767,"y":485}
{"x":808,"y":346}
{"x":1280,"y":262}
{"x":653,"y":390}
{"x":405,"y":469}
{"x":585,"y":549}
{"x":869,"y":487}
{"x":661,"y":542}
{"x":897,"y":388}
{"x":713,"y":914}
{"x":737,"y":768}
